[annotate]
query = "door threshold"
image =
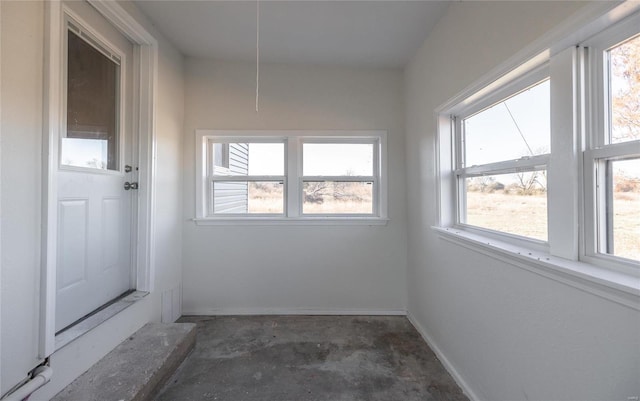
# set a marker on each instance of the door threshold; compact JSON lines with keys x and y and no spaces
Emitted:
{"x":97,"y":317}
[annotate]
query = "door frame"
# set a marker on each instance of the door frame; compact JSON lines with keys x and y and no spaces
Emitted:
{"x":145,"y":71}
{"x":0,"y":182}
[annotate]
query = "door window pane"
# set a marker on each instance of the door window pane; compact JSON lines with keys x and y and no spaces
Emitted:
{"x":511,"y":203}
{"x":336,"y":159}
{"x":516,"y":127}
{"x":92,"y":108}
{"x":326,"y":197}
{"x":624,"y":96}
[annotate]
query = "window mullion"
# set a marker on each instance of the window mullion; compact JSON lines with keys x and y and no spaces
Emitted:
{"x":562,"y":181}
{"x":460,"y":195}
{"x":590,"y":205}
{"x":294,"y":171}
{"x":459,"y":140}
{"x":377,"y":161}
{"x":461,"y":209}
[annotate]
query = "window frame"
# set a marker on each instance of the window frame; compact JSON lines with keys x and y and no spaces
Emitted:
{"x":374,"y":178}
{"x":514,"y":87}
{"x":597,"y":148}
{"x":212,"y":177}
{"x":293,"y":177}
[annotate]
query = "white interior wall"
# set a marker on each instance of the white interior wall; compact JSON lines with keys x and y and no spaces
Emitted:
{"x":507,"y":333}
{"x":21,"y":58}
{"x":21,"y":157}
{"x":168,"y":172}
{"x":304,"y":269}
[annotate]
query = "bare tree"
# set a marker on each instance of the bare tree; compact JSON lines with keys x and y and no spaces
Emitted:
{"x":485,"y":182}
{"x":625,"y":96}
{"x":315,"y":192}
{"x":529,"y":182}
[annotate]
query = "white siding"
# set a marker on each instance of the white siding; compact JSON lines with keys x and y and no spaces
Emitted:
{"x":233,"y":197}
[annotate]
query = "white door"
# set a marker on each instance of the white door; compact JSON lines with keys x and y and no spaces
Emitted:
{"x":95,"y":219}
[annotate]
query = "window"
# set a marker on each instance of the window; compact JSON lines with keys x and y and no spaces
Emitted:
{"x":566,"y":122}
{"x":291,"y":176}
{"x":338,"y":178}
{"x":246,"y":177}
{"x":612,"y":157}
{"x":503,"y":151}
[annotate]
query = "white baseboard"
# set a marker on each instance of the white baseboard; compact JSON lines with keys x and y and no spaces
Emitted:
{"x":291,"y":311}
{"x":445,"y":362}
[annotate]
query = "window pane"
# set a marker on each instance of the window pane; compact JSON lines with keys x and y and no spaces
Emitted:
{"x":249,"y":159}
{"x":516,"y":127}
{"x":624,"y":96}
{"x":247,"y":197}
{"x":511,"y":203}
{"x":623,"y":212}
{"x":326,"y":197}
{"x":335,"y":159}
{"x":92,"y":104}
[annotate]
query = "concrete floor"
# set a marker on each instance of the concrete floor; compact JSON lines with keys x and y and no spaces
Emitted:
{"x":310,"y":358}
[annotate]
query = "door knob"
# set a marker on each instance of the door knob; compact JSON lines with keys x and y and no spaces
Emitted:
{"x":130,"y":185}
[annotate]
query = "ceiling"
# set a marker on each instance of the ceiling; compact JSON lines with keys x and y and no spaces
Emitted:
{"x":344,"y":33}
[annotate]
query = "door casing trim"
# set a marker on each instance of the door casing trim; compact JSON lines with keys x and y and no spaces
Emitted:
{"x":145,"y":66}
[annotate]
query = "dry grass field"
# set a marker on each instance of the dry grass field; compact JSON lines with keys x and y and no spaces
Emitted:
{"x":526,"y":215}
{"x":337,"y":197}
{"x":266,"y":197}
{"x":319,"y":198}
{"x":510,"y":212}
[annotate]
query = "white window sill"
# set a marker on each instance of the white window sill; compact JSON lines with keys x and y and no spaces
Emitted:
{"x":612,"y":285}
{"x":282,"y":221}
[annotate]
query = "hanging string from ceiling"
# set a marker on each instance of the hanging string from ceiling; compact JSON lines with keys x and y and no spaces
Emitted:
{"x":257,"y":55}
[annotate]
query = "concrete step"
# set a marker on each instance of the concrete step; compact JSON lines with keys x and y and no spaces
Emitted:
{"x":137,"y":368}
